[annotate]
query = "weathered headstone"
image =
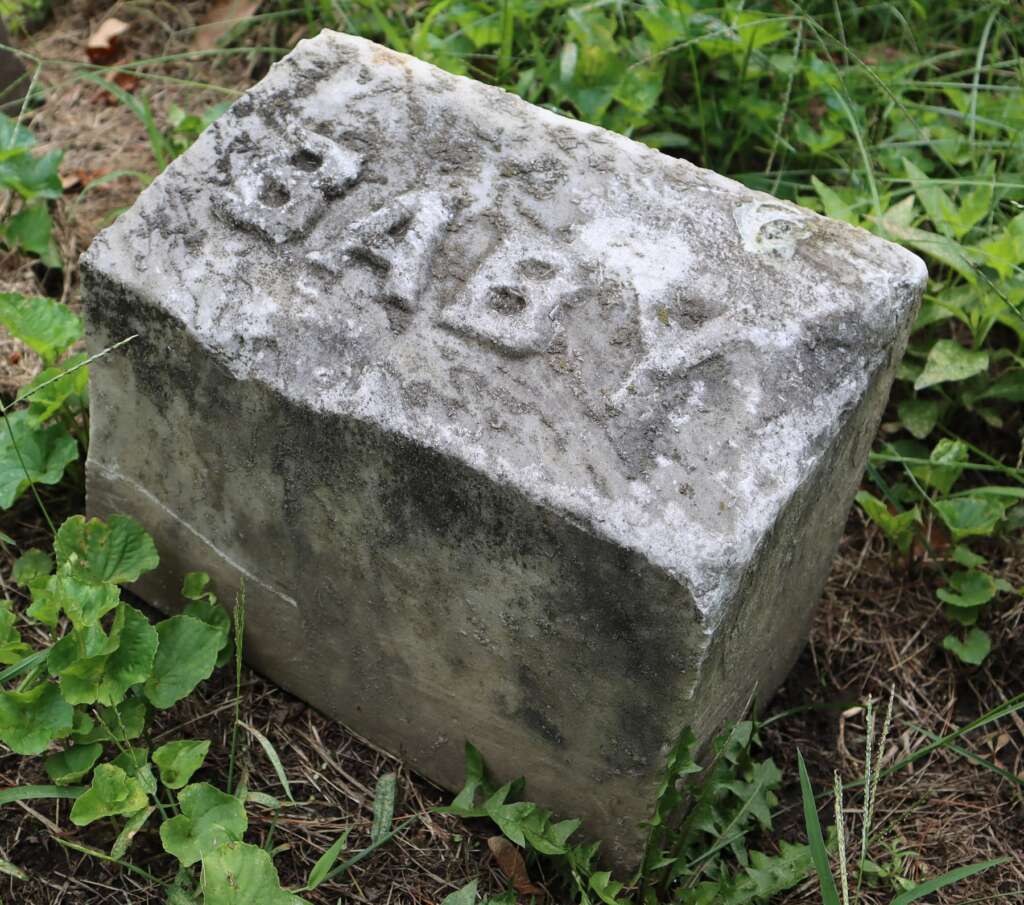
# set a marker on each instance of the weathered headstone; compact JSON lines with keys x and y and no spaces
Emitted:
{"x":517,"y":430}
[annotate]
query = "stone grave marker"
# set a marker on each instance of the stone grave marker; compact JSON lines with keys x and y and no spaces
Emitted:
{"x":516,"y":430}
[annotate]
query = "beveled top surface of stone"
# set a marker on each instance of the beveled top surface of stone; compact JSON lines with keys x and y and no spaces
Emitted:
{"x":649,"y":348}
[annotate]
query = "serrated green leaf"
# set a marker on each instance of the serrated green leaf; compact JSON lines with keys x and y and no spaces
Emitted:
{"x":73,"y":765}
{"x":208,"y":819}
{"x":31,"y":229}
{"x":949,"y":361}
{"x":111,"y":793}
{"x":32,"y":456}
{"x":240,"y":874}
{"x":30,"y":566}
{"x":186,"y":656}
{"x":33,"y":176}
{"x":44,"y":325}
{"x":30,"y":720}
{"x":130,"y":831}
{"x":973,"y":648}
{"x":177,"y":761}
{"x":117,"y":551}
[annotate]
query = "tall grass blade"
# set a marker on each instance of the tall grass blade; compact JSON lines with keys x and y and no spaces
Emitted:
{"x":829,"y":893}
{"x":272,"y":756}
{"x":946,"y":879}
{"x":325,"y":862}
{"x":28,"y":793}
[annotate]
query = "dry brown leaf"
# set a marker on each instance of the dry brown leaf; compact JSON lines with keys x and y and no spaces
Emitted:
{"x":103,"y":45}
{"x":222,"y":17}
{"x":512,"y":865}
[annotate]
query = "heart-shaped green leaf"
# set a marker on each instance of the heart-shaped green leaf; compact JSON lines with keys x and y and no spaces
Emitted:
{"x":208,"y":819}
{"x":240,"y":874}
{"x":117,"y":551}
{"x":112,"y":792}
{"x":186,"y":656}
{"x":177,"y":761}
{"x":969,"y":589}
{"x":973,"y":648}
{"x":971,"y":515}
{"x":30,"y":720}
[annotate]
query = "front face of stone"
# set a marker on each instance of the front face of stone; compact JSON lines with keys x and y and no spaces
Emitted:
{"x":505,"y":420}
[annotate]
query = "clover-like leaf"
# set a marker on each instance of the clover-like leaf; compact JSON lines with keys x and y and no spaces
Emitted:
{"x":72,"y":765}
{"x":208,"y":819}
{"x":239,"y":874}
{"x":46,"y":326}
{"x":117,"y":551}
{"x":112,"y":792}
{"x":177,"y":761}
{"x":33,"y":456}
{"x":186,"y":656}
{"x":30,"y":720}
{"x":30,"y":566}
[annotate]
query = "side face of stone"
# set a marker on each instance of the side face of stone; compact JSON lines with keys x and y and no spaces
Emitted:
{"x":515,"y":430}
